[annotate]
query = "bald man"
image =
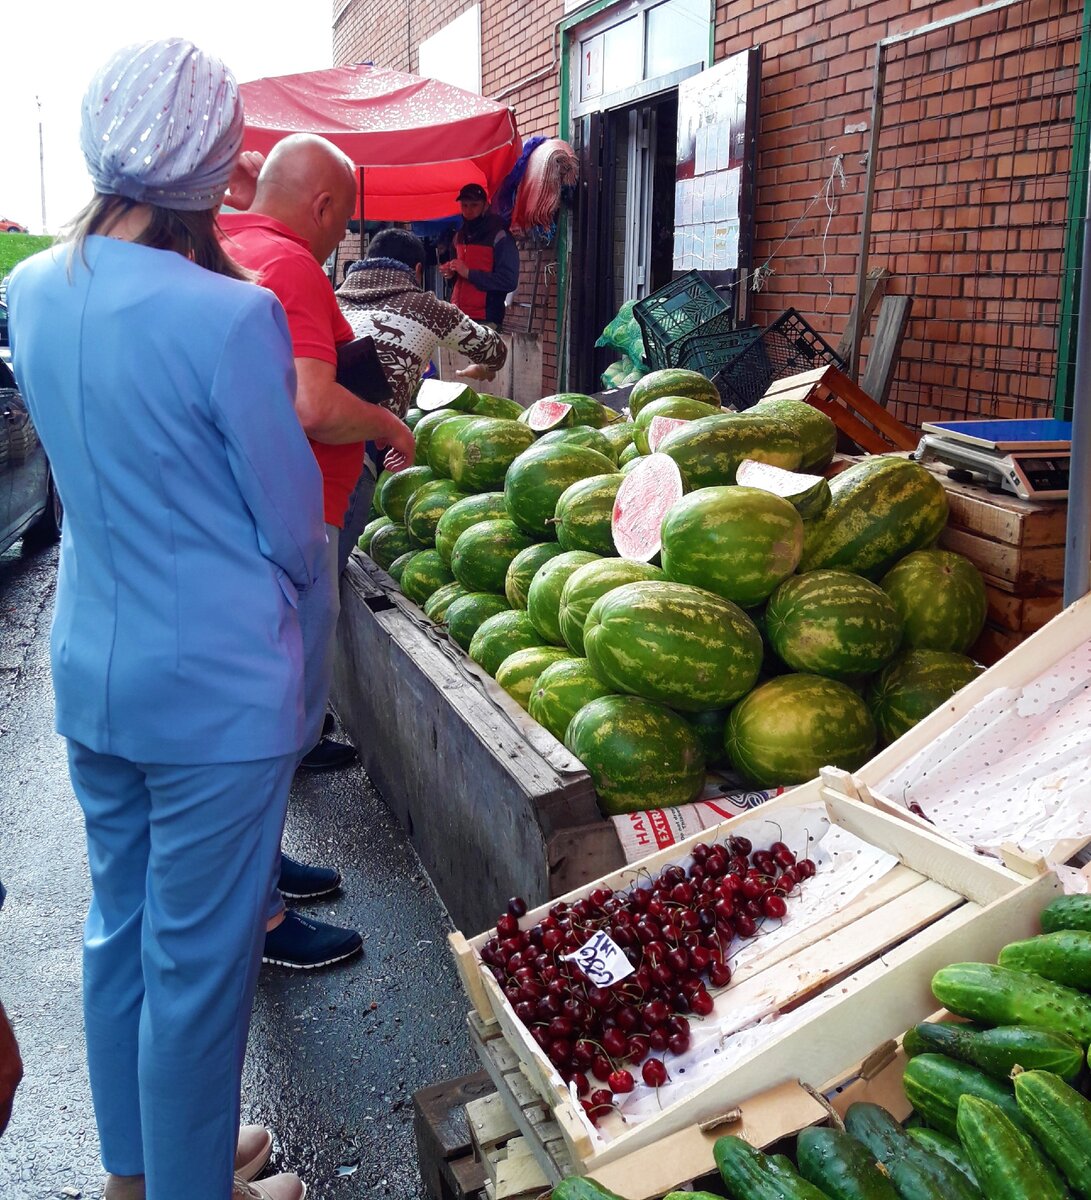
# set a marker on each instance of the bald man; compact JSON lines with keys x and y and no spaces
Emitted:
{"x":297,"y":205}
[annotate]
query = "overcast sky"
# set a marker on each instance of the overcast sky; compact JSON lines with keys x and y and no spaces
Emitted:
{"x":51,"y":51}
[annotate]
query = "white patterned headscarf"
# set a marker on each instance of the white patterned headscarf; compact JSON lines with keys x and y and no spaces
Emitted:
{"x":162,"y":124}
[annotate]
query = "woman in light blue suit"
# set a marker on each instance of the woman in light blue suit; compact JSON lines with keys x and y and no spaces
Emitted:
{"x":161,"y":383}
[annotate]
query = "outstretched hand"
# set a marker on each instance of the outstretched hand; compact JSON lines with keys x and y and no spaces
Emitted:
{"x":243,"y":184}
{"x":478,"y":372}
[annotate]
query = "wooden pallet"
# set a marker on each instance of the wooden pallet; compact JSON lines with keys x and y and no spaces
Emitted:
{"x":445,"y":1148}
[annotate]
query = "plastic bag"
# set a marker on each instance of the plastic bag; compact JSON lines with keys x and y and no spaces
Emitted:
{"x":624,"y":334}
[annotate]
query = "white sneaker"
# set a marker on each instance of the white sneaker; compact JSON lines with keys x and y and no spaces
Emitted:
{"x":277,"y":1187}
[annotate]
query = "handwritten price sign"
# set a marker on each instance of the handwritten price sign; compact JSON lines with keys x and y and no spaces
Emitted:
{"x":602,"y":960}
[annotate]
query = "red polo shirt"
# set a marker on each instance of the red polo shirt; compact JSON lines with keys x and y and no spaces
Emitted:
{"x":285,"y":265}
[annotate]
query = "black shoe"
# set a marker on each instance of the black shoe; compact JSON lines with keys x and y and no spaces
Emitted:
{"x":327,"y":725}
{"x":328,"y":755}
{"x":301,"y":882}
{"x":303,"y":944}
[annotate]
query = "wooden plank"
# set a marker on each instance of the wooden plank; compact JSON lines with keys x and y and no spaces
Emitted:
{"x":994,"y":643}
{"x":465,"y":1177}
{"x":469,"y":973}
{"x":520,"y":1176}
{"x":886,"y":347}
{"x":874,"y":291}
{"x":489,"y":1122}
{"x":1020,"y":614}
{"x":1034,"y":567}
{"x":849,"y":424}
{"x":1002,"y":517}
{"x":441,"y":1128}
{"x":849,"y":393}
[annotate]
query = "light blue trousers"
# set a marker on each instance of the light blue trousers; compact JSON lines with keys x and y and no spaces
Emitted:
{"x":182,"y":862}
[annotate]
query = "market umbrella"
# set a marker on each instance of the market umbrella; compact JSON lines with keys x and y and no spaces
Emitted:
{"x":416,"y":141}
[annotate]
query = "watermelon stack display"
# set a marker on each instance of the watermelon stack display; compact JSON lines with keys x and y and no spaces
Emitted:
{"x":682,"y":588}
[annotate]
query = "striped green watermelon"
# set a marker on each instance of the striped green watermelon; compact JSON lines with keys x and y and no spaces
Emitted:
{"x":435,"y":607}
{"x":397,"y":567}
{"x":619,"y":435}
{"x":674,"y":643}
{"x":482,"y":450}
{"x":389,"y":543}
{"x":467,"y":613}
{"x":441,"y":443}
{"x":519,"y":672}
{"x":370,"y":530}
{"x":683,"y":408}
{"x":544,"y":593}
{"x":561,"y":691}
{"x":650,"y":490}
{"x":376,"y":509}
{"x":785,"y":731}
{"x":500,"y":636}
{"x":708,"y":451}
{"x":882,"y":508}
{"x":423,"y":430}
{"x":522,"y":569}
{"x":817,"y":434}
{"x":489,"y":506}
{"x":587,"y":583}
{"x":547,"y":414}
{"x":809,"y":495}
{"x":940,"y":597}
{"x":483,"y":552}
{"x":497,"y":406}
{"x":639,"y":755}
{"x":710,"y":727}
{"x":672,"y":381}
{"x":536,"y":479}
{"x":584,"y":512}
{"x":412,"y":416}
{"x":738,"y":542}
{"x":423,"y":574}
{"x":581,"y":435}
{"x":630,"y":455}
{"x":427,"y":504}
{"x":586,"y":409}
{"x":833,"y":623}
{"x":913,"y":685}
{"x":399,"y":489}
{"x":437,"y":394}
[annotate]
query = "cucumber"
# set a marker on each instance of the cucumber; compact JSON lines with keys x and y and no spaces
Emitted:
{"x":750,"y":1175}
{"x":841,"y":1166}
{"x":997,"y":1051}
{"x":1000,"y":996}
{"x":933,"y":1084}
{"x":691,"y":1196}
{"x":916,"y":1173}
{"x":1007,"y":1163}
{"x":577,"y":1187}
{"x":947,"y":1148}
{"x":1067,"y":912}
{"x":1063,"y":956}
{"x":1060,"y":1119}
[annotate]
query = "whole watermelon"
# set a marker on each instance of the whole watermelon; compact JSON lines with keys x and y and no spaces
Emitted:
{"x":684,"y":408}
{"x":629,"y":456}
{"x":482,"y":450}
{"x":427,"y":504}
{"x":397,"y":567}
{"x":913,"y":685}
{"x":708,"y":451}
{"x":399,"y":489}
{"x":441,"y":443}
{"x":833,"y":623}
{"x":483,"y":553}
{"x":423,"y":430}
{"x":738,"y":542}
{"x":522,"y":569}
{"x":709,"y":728}
{"x":672,"y":381}
{"x":423,"y":574}
{"x":940,"y":597}
{"x":817,"y":434}
{"x":581,"y":435}
{"x":588,"y":411}
{"x":584,"y":512}
{"x":389,"y":543}
{"x":500,"y":636}
{"x":467,"y":613}
{"x":519,"y":672}
{"x":412,"y":416}
{"x":619,"y":435}
{"x":786,"y":730}
{"x":376,"y":509}
{"x":544,"y":593}
{"x":536,"y":479}
{"x":437,"y":604}
{"x":639,"y":754}
{"x":674,"y":643}
{"x":561,"y":691}
{"x":489,"y":506}
{"x":497,"y":406}
{"x":882,"y":508}
{"x":586,"y":584}
{"x":370,"y":530}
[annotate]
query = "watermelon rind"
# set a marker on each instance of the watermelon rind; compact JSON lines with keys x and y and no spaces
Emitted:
{"x":536,"y":479}
{"x":427,"y":504}
{"x":399,"y":489}
{"x":785,"y":731}
{"x":816,"y":432}
{"x":581,"y":435}
{"x":412,"y":416}
{"x":683,"y":408}
{"x":437,"y":604}
{"x":423,"y":574}
{"x":389,"y":543}
{"x":809,"y":495}
{"x":487,"y":405}
{"x":651,"y":488}
{"x":584,"y":514}
{"x":500,"y":636}
{"x":423,"y":430}
{"x":467,"y":613}
{"x":441,"y":443}
{"x":915,"y":684}
{"x":639,"y":754}
{"x":522,"y":569}
{"x":547,"y":414}
{"x":544,"y":593}
{"x":489,"y":506}
{"x":376,"y":509}
{"x":619,"y":435}
{"x":433,"y":399}
{"x":482,"y":450}
{"x":940,"y":596}
{"x":586,"y":584}
{"x":397,"y":568}
{"x":710,"y":727}
{"x":519,"y":672}
{"x":629,"y":456}
{"x":480,"y":558}
{"x":561,"y":691}
{"x":671,"y":381}
{"x":370,"y":530}
{"x":709,"y":450}
{"x":586,"y":409}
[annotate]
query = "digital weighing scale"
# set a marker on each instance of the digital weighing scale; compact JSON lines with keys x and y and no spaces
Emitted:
{"x":1027,"y":458}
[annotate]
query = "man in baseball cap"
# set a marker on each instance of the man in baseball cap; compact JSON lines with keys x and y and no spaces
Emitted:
{"x":482,"y":258}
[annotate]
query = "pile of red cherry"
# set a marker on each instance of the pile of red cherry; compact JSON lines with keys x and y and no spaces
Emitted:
{"x":676,"y":930}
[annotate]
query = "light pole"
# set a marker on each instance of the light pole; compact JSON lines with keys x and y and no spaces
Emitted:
{"x":41,"y":158}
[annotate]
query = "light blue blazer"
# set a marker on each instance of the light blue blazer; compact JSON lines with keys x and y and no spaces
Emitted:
{"x":163,"y":394}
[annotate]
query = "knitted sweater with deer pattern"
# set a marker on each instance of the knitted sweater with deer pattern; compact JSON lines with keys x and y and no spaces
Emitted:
{"x":381,"y":299}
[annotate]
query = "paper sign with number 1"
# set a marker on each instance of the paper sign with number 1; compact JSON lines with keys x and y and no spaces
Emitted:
{"x":602,"y":960}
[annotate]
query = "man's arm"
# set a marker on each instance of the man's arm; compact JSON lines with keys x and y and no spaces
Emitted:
{"x":477,"y":342}
{"x":504,"y":276}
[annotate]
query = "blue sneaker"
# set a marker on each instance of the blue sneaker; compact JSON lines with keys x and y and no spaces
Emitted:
{"x":301,"y":882}
{"x":303,"y":944}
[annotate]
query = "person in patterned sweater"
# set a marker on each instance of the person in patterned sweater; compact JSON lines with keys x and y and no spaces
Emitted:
{"x":382,"y":297}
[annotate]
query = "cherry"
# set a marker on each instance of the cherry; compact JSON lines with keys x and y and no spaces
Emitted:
{"x":526,"y":1011}
{"x":783,"y":857}
{"x":614,"y":1041}
{"x":562,"y":1027}
{"x":552,"y":939}
{"x":678,"y":1043}
{"x":601,"y":1102}
{"x":654,"y":1072}
{"x":745,"y":926}
{"x":683,"y":893}
{"x":658,"y":1038}
{"x":740,"y":845}
{"x":773,"y":905}
{"x":699,"y":958}
{"x":620,"y":1082}
{"x":560,"y":1052}
{"x":599,"y":896}
{"x":583,"y":1053}
{"x":637,"y":1049}
{"x":723,"y":909}
{"x":701,"y":1002}
{"x":517,"y":907}
{"x":638,"y":898}
{"x":678,"y":1025}
{"x":678,"y":958}
{"x":601,"y":1066}
{"x":700,"y":852}
{"x":655,"y":1012}
{"x":805,"y":868}
{"x":719,"y":975}
{"x":581,"y":1083}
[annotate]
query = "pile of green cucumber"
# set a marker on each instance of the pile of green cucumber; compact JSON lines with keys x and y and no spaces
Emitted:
{"x":998,"y":1114}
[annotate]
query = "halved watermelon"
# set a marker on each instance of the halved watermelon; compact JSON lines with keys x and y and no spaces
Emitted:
{"x":437,"y":393}
{"x":809,"y":495}
{"x":544,"y":415}
{"x":649,"y":491}
{"x":660,"y":427}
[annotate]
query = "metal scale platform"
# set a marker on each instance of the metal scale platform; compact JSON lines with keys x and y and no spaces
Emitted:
{"x":1026,"y":458}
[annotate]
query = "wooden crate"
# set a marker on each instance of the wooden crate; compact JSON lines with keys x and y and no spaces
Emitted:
{"x":445,"y":1154}
{"x":862,"y":976}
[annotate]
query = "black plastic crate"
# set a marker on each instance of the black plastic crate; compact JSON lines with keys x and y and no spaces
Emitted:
{"x":674,"y":312}
{"x":715,"y":344}
{"x":787,"y":347}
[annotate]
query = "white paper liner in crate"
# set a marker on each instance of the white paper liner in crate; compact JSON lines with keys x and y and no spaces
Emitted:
{"x":846,"y":867}
{"x":1014,"y":769}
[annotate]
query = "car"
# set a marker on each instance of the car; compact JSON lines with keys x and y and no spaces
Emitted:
{"x":30,"y":507}
{"x":4,"y":310}
{"x":7,"y":225}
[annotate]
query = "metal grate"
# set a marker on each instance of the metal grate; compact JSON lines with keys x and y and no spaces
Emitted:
{"x":674,"y":312}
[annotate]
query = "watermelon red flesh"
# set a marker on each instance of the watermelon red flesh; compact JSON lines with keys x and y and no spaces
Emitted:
{"x":650,"y":490}
{"x":658,"y":429}
{"x":519,"y":672}
{"x":809,"y":495}
{"x":562,"y":689}
{"x":587,"y":583}
{"x":544,"y":415}
{"x":584,"y":514}
{"x":680,"y":645}
{"x":640,"y":755}
{"x":914,"y":685}
{"x":941,"y":599}
{"x":738,"y":542}
{"x":787,"y":730}
{"x":500,"y":636}
{"x":682,"y":407}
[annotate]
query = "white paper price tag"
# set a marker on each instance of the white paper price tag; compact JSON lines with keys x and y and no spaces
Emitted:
{"x":602,"y":960}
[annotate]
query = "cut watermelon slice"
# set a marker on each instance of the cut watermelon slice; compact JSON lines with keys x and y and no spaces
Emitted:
{"x":648,"y":493}
{"x":808,"y":494}
{"x":544,"y":415}
{"x":437,"y":393}
{"x":660,"y":427}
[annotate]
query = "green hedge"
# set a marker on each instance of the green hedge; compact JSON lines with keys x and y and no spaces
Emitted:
{"x":14,"y":247}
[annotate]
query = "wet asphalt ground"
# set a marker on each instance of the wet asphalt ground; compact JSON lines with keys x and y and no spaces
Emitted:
{"x":334,"y":1055}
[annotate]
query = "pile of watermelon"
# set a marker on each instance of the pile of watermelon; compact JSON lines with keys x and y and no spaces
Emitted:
{"x":682,"y":589}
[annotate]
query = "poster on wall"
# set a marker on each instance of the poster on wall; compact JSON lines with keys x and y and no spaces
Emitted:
{"x":714,"y":178}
